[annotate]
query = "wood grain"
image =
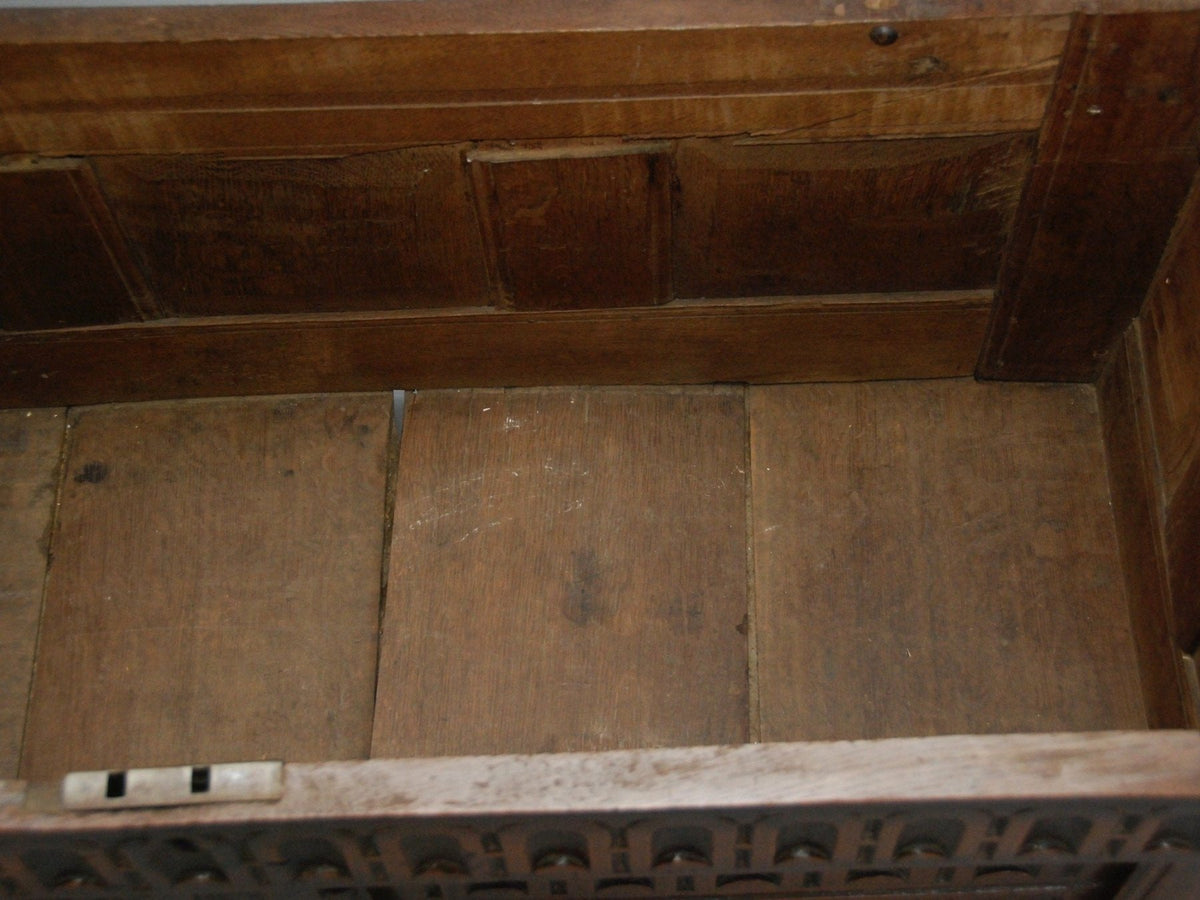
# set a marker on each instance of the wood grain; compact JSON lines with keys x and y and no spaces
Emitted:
{"x":829,"y":218}
{"x":1113,"y":168}
{"x":936,"y":558}
{"x":569,"y":573}
{"x":823,"y":339}
{"x":1170,"y":326}
{"x":578,"y":232}
{"x":30,"y":447}
{"x":977,"y":770}
{"x":62,"y":260}
{"x":1137,"y":510}
{"x":242,"y":236}
{"x":214,"y":590}
{"x":523,"y":80}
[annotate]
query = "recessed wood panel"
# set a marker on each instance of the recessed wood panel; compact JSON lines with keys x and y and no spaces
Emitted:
{"x":62,"y":261}
{"x":835,"y":218}
{"x":1114,"y":165}
{"x":578,"y":232}
{"x":461,"y":75}
{"x":229,"y":236}
{"x":568,"y":573}
{"x":30,"y":447}
{"x":829,"y":339}
{"x":936,"y":558}
{"x":214,"y":591}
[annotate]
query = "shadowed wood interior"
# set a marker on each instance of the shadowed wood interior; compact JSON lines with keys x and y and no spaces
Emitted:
{"x":64,"y":263}
{"x":214,"y":587}
{"x":602,"y":246}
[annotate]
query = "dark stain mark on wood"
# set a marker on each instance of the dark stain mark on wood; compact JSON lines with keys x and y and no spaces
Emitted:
{"x":686,"y":613}
{"x":14,"y":439}
{"x":92,"y":473}
{"x":584,"y":603}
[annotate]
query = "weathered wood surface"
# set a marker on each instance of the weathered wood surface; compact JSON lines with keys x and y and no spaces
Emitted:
{"x":244,"y":236}
{"x":577,"y":232}
{"x":30,"y":447}
{"x":214,"y":589}
{"x":1137,"y":510}
{"x":839,"y":218}
{"x":935,"y":558}
{"x":63,"y":261}
{"x":1115,"y":161}
{"x":133,"y":89}
{"x":972,"y":769}
{"x":568,"y":573}
{"x":821,"y":339}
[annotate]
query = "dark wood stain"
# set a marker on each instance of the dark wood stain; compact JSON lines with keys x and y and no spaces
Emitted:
{"x":585,"y":600}
{"x":92,"y":473}
{"x":544,"y":541}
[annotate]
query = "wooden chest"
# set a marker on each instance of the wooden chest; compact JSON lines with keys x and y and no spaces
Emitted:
{"x":600,"y":449}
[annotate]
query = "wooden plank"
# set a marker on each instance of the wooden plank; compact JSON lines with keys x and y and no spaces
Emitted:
{"x":578,"y":232}
{"x":239,"y":236}
{"x":1170,"y":323}
{"x":383,"y":18}
{"x":936,"y":558}
{"x":63,"y":261}
{"x":1153,"y":769}
{"x":1133,"y":482}
{"x":1112,"y":172}
{"x":1169,"y":326}
{"x":826,"y":218}
{"x":974,"y":109}
{"x":30,"y":447}
{"x":985,"y":807}
{"x":214,"y":590}
{"x":902,"y":336}
{"x":523,"y":81}
{"x":569,"y":573}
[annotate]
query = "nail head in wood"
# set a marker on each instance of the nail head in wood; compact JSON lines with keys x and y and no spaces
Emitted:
{"x":884,"y":35}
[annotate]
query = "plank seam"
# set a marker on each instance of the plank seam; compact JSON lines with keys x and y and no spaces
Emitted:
{"x":752,"y":690}
{"x":60,"y":473}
